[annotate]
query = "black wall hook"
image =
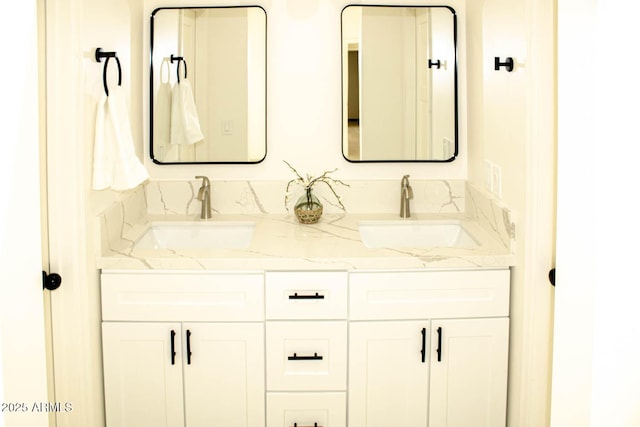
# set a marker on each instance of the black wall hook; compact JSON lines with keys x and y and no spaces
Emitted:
{"x":108,"y":55}
{"x":435,"y":63}
{"x":508,"y":64}
{"x":184,"y":63}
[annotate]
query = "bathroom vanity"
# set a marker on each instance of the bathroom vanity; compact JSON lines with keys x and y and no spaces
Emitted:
{"x":306,"y":326}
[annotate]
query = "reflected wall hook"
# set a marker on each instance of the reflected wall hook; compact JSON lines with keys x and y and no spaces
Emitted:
{"x":435,"y":63}
{"x":108,"y":55}
{"x":508,"y":64}
{"x":179,"y":59}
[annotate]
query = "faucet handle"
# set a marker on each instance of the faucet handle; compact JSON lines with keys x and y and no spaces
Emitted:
{"x":406,"y":187}
{"x":409,"y":192}
{"x":205,"y":180}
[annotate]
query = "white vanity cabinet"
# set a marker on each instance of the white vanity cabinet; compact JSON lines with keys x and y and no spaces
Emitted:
{"x":183,"y":349}
{"x":306,"y":348}
{"x":428,"y":348}
{"x":401,"y":348}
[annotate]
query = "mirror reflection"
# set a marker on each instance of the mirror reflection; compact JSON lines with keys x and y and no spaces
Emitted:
{"x":399,"y":81}
{"x":208,"y":85}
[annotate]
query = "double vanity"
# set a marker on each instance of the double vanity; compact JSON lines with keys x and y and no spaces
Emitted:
{"x":256,"y":320}
{"x":251,"y":319}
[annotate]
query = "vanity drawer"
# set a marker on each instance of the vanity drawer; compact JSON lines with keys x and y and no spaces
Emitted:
{"x":306,"y":295}
{"x":306,"y":355}
{"x":428,"y":294}
{"x":305,"y":409}
{"x":182,"y":296}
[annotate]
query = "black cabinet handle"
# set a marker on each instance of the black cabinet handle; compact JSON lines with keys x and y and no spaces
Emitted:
{"x":314,"y":425}
{"x":173,"y":347}
{"x":188,"y":347}
{"x":433,"y":63}
{"x":296,"y":357}
{"x":439,"y":349}
{"x":423,"y":352}
{"x":552,"y":276}
{"x":314,"y":296}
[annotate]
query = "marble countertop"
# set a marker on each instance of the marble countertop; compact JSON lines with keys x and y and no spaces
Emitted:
{"x":281,"y":243}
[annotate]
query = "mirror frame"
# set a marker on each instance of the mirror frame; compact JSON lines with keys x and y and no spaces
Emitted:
{"x":455,"y":85}
{"x":151,"y":94}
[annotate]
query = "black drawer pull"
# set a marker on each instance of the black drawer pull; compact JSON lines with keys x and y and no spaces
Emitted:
{"x":439,"y":349}
{"x":315,"y":296}
{"x":314,"y":425}
{"x":296,"y":357}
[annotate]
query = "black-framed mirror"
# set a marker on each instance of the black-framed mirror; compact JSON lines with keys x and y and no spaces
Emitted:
{"x":399,"y":84}
{"x":208,"y":85}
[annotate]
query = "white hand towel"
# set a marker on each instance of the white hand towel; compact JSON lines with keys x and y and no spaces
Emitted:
{"x":162,"y":112}
{"x":185,"y":125}
{"x":115,"y":164}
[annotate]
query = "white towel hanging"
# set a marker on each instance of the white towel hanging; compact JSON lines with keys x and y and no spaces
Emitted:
{"x":185,"y":125}
{"x":162,"y":110}
{"x":115,"y":164}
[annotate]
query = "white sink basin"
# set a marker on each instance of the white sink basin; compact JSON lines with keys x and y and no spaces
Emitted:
{"x":415,"y":234}
{"x":197,"y":235}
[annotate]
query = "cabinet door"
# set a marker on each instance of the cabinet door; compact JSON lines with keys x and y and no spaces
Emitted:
{"x":388,"y":374}
{"x":224,"y":374}
{"x":469,"y":372}
{"x":142,"y":377}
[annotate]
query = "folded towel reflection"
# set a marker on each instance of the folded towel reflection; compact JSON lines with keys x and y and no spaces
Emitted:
{"x":185,"y":125}
{"x":115,"y":164}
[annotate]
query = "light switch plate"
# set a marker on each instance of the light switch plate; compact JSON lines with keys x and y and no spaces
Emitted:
{"x":227,"y":127}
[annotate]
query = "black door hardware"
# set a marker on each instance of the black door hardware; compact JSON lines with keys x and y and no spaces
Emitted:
{"x":314,"y":296}
{"x":435,"y":63}
{"x":296,"y":357}
{"x":51,"y":281}
{"x":188,"y":347}
{"x":508,"y":64}
{"x":173,"y":347}
{"x":439,"y":349}
{"x":552,"y":276}
{"x":423,"y":352}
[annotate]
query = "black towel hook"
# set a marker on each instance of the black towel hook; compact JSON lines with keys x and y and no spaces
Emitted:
{"x":108,"y":55}
{"x":179,"y":59}
{"x":508,"y":64}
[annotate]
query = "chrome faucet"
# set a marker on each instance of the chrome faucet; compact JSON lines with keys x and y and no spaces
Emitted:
{"x":204,"y":195}
{"x":406,"y":194}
